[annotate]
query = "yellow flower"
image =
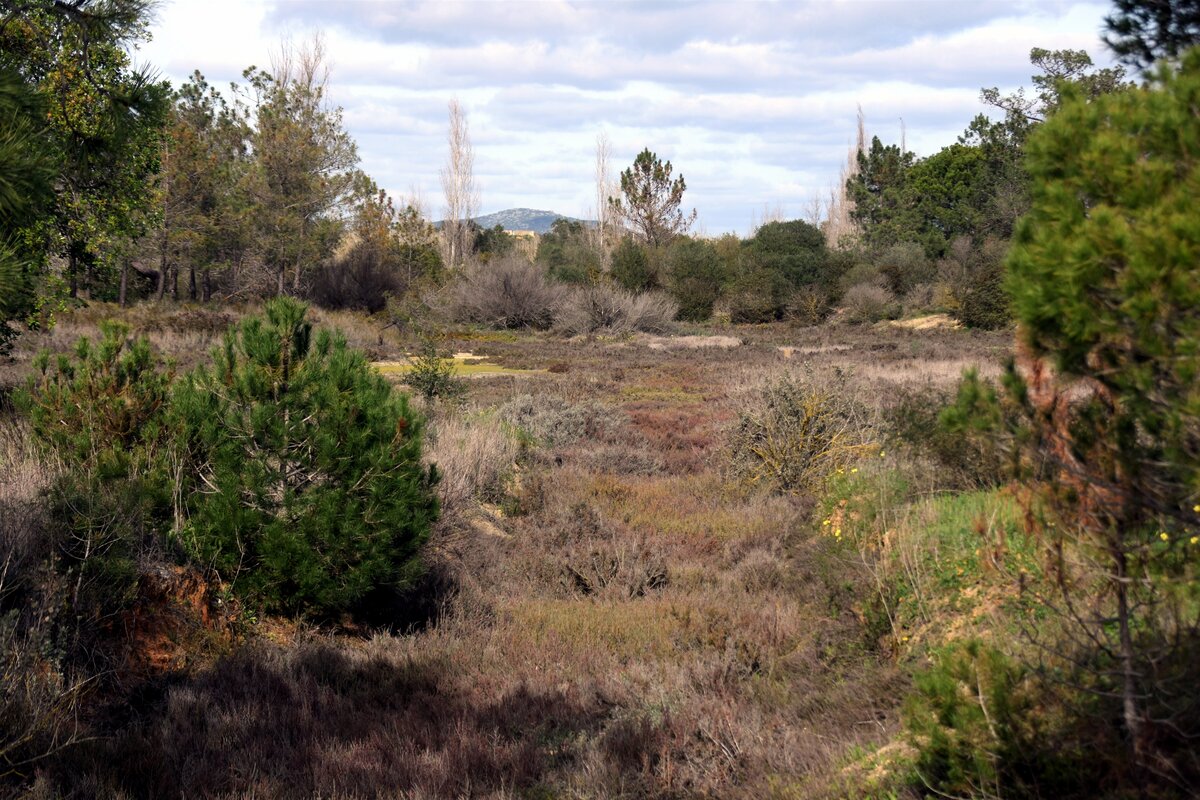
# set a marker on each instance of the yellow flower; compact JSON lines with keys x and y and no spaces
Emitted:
{"x":1163,"y":535}
{"x":826,"y":522}
{"x":882,"y":454}
{"x":1194,"y":539}
{"x":1196,"y":508}
{"x":837,"y":531}
{"x":853,"y":470}
{"x":841,"y":471}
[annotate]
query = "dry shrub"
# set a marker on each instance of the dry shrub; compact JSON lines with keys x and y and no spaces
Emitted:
{"x":506,"y":293}
{"x":868,"y":302}
{"x":796,"y":431}
{"x":553,"y":421}
{"x":475,"y":455}
{"x":614,"y":310}
{"x":808,"y":305}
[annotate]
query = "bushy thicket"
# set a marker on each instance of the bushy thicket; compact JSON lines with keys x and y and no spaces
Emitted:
{"x":696,"y":276}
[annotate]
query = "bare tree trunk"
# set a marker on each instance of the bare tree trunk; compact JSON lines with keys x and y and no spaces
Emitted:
{"x":458,"y":184}
{"x":121,"y":299}
{"x":604,"y":190}
{"x":192,"y":282}
{"x":839,"y":223}
{"x":73,"y":271}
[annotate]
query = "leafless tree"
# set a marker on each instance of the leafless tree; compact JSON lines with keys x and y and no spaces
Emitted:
{"x":458,"y":184}
{"x":840,"y":224}
{"x":605,"y":190}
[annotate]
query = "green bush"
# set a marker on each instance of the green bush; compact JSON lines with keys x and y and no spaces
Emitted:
{"x":432,"y":375}
{"x":757,"y":295}
{"x":904,"y":266}
{"x":981,"y":725}
{"x":631,"y":268}
{"x":696,"y":278}
{"x":309,"y":492}
{"x":794,"y":251}
{"x":975,"y":274}
{"x":568,"y":254}
{"x":102,"y":414}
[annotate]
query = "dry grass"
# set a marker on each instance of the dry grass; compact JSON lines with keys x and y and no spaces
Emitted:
{"x":623,"y":623}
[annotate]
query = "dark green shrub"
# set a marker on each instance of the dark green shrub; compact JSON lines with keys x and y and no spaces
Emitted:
{"x":757,"y":295}
{"x":696,"y":278}
{"x":309,"y":492}
{"x":631,"y":268}
{"x":567,"y":253}
{"x":975,"y":274}
{"x":795,"y":251}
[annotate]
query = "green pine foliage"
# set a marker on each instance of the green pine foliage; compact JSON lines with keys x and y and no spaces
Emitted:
{"x":101,"y":414}
{"x":309,"y":491}
{"x":1104,"y":282}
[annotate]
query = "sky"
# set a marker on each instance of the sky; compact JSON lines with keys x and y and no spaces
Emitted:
{"x":754,"y":103}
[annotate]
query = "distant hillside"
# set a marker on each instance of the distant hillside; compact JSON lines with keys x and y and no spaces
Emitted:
{"x":523,"y":219}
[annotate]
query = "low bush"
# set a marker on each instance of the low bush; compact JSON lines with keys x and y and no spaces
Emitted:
{"x":796,"y":431}
{"x":614,"y":310}
{"x":432,"y":375}
{"x":868,"y":302}
{"x":808,"y":305}
{"x":505,"y":293}
{"x":965,"y":461}
{"x":554,"y":422}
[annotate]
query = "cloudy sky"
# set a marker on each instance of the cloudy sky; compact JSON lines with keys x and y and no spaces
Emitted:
{"x":753,"y":102}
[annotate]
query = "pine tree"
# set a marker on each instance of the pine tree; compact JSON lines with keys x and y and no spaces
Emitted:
{"x":1105,"y":283}
{"x":310,"y":492}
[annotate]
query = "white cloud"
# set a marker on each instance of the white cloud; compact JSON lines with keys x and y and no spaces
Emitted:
{"x":753,"y":102}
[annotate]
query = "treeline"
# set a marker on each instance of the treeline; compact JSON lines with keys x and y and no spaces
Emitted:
{"x":119,"y":187}
{"x":124,"y":188}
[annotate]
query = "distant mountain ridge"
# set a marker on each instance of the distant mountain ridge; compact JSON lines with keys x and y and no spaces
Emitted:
{"x":524,"y":219}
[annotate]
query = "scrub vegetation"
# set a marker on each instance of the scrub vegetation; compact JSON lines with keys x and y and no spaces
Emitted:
{"x":304,"y":496}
